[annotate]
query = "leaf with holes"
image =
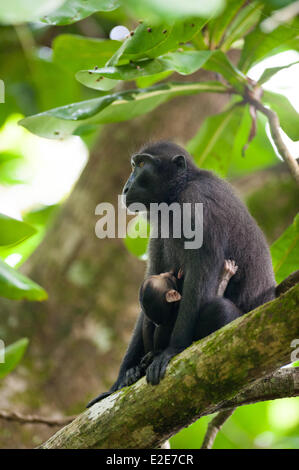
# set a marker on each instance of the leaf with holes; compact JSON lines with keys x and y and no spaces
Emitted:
{"x":75,"y":10}
{"x":67,"y":120}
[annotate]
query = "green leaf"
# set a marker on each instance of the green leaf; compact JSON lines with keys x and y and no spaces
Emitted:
{"x":40,"y":219}
{"x":285,"y":251}
{"x":218,"y":62}
{"x":14,"y":285}
{"x":288,"y":116}
{"x":268,"y":73}
{"x":137,"y":245}
{"x":258,"y":44}
{"x":20,"y":11}
{"x":13,"y":231}
{"x":163,"y":10}
{"x":9,"y":166}
{"x":150,"y":41}
{"x":45,"y":73}
{"x":218,"y":26}
{"x":145,"y":82}
{"x":212,"y":147}
{"x":12,"y":356}
{"x":185,"y":63}
{"x":75,"y":10}
{"x":75,"y":53}
{"x":67,"y":120}
{"x":241,"y":24}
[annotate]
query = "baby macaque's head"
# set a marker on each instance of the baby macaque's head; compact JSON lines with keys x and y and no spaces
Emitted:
{"x":159,"y":296}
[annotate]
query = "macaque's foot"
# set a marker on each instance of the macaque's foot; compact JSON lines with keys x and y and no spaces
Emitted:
{"x":133,"y":374}
{"x":230,"y":268}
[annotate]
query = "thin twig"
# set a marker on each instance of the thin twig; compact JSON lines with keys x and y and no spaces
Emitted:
{"x":277,"y":138}
{"x":214,"y":426}
{"x":33,"y":419}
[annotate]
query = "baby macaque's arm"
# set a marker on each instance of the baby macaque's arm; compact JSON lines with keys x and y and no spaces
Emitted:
{"x":229,"y":270}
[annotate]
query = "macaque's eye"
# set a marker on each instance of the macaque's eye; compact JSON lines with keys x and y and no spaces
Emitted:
{"x":141,"y":164}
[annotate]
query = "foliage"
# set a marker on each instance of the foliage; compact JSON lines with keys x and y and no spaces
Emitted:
{"x":12,"y":354}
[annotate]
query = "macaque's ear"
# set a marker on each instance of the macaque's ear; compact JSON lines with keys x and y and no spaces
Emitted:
{"x":172,"y":295}
{"x":180,"y":161}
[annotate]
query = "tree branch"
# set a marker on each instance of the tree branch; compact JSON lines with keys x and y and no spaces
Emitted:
{"x":34,"y":419}
{"x":281,"y":384}
{"x":198,"y":381}
{"x":276,"y":136}
{"x":214,"y":427}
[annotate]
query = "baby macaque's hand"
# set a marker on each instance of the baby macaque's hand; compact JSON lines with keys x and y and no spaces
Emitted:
{"x":230,"y":268}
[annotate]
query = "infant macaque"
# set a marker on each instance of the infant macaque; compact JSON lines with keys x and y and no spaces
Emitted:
{"x":159,"y":298}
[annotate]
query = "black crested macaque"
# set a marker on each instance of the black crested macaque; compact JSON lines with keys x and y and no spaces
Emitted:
{"x":159,"y":298}
{"x":165,"y":172}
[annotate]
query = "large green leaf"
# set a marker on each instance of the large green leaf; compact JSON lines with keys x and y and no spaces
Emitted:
{"x":259,"y":44}
{"x":45,"y":73}
{"x":288,"y":116}
{"x":12,"y":356}
{"x":9,"y":166}
{"x":268,"y":73}
{"x":14,"y":285}
{"x":218,"y":62}
{"x":75,"y":118}
{"x":219,"y":144}
{"x":40,"y":219}
{"x":285,"y":251}
{"x":20,"y":11}
{"x":218,"y":26}
{"x":212,"y":147}
{"x":75,"y":53}
{"x":185,"y":63}
{"x":75,"y":10}
{"x":152,"y":41}
{"x":13,"y":231}
{"x":243,"y":22}
{"x":163,"y":10}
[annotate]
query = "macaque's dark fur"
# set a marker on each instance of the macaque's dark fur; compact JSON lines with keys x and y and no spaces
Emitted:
{"x":229,"y":232}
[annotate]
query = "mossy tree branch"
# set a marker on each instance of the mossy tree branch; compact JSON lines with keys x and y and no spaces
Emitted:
{"x":198,"y":381}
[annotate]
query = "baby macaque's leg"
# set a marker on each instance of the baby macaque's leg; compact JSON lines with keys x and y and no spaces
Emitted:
{"x":229,"y":270}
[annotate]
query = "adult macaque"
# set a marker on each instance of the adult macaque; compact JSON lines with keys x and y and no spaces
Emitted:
{"x":165,"y":172}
